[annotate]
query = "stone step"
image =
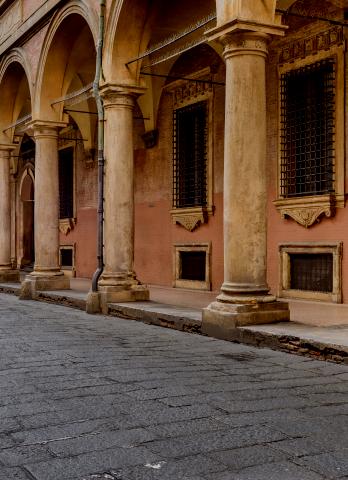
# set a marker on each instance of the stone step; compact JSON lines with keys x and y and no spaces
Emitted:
{"x":170,"y":316}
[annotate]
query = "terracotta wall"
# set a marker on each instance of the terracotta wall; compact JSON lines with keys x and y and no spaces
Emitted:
{"x":84,"y":233}
{"x":155,"y":233}
{"x":279,"y":230}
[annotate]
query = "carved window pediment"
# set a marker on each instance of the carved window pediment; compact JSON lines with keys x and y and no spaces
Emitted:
{"x":308,"y":210}
{"x":191,"y":218}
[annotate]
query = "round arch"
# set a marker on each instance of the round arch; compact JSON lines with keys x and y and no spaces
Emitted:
{"x":16,"y":91}
{"x":119,"y":48}
{"x":72,"y":26}
{"x":26,"y":175}
{"x":25,"y":216}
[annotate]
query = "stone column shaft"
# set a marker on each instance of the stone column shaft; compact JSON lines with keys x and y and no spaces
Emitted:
{"x":244,"y":297}
{"x":47,"y":274}
{"x":118,"y":281}
{"x":6,"y":272}
{"x":119,"y":188}
{"x":245,"y":188}
{"x":46,"y":208}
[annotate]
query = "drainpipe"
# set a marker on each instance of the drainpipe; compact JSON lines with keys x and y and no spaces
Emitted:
{"x":101,"y":118}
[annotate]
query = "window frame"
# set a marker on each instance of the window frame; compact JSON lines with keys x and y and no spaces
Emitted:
{"x":64,"y":142}
{"x":69,"y":271}
{"x":179,"y":282}
{"x":285,"y":252}
{"x":185,"y":93}
{"x":307,"y":209}
{"x":177,"y":160}
{"x":70,"y":148}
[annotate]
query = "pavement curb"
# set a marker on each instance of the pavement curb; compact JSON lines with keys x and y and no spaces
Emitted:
{"x":159,"y":318}
{"x":291,"y":344}
{"x":58,"y":299}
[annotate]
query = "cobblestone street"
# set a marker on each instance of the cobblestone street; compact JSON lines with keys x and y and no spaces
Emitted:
{"x":92,"y":397}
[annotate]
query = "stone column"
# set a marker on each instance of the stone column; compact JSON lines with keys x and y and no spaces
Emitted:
{"x":244,"y":297}
{"x":47,"y":274}
{"x":118,"y":282}
{"x":7,"y":274}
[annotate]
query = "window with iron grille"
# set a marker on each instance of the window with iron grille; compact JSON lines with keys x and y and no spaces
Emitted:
{"x":313,"y":272}
{"x":190,"y":156}
{"x":308,"y":129}
{"x":66,"y":183}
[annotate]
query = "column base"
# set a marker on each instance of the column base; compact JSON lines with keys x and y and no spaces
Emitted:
{"x":98,"y":301}
{"x":220,"y":319}
{"x":36,"y":282}
{"x":11,"y":276}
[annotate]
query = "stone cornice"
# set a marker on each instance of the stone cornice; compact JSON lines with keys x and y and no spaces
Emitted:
{"x":29,"y":25}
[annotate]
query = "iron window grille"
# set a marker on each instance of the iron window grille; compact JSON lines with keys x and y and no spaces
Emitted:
{"x":312,"y":272}
{"x":307,"y":98}
{"x":66,"y":183}
{"x":190,"y":155}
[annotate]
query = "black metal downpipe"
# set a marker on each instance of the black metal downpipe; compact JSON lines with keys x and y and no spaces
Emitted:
{"x":101,"y":119}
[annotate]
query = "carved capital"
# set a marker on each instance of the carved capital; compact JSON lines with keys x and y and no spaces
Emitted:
{"x":251,"y":43}
{"x":120,"y":95}
{"x":45,"y":129}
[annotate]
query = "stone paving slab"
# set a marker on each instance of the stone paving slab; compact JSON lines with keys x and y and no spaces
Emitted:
{"x":327,"y":343}
{"x":102,"y":398}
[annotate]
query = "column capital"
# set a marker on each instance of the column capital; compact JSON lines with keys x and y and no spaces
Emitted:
{"x":120,"y":95}
{"x":45,"y":128}
{"x":245,"y":43}
{"x":7,"y":147}
{"x":239,"y":26}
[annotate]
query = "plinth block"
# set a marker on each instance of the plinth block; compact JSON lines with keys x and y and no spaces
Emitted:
{"x":11,"y":276}
{"x":221,"y":319}
{"x":36,"y":282}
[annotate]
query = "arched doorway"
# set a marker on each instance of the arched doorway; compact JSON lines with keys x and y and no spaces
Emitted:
{"x":26,"y":204}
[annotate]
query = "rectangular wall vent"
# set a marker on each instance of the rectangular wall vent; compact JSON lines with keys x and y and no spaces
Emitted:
{"x":311,"y":272}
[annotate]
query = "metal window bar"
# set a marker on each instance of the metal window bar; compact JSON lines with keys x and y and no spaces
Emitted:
{"x":190,"y":133}
{"x":313,"y":272}
{"x":66,"y":183}
{"x":308,"y":129}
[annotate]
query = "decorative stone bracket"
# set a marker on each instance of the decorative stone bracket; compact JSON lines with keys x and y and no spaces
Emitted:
{"x":66,"y":225}
{"x":307,"y":210}
{"x":191,"y":218}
